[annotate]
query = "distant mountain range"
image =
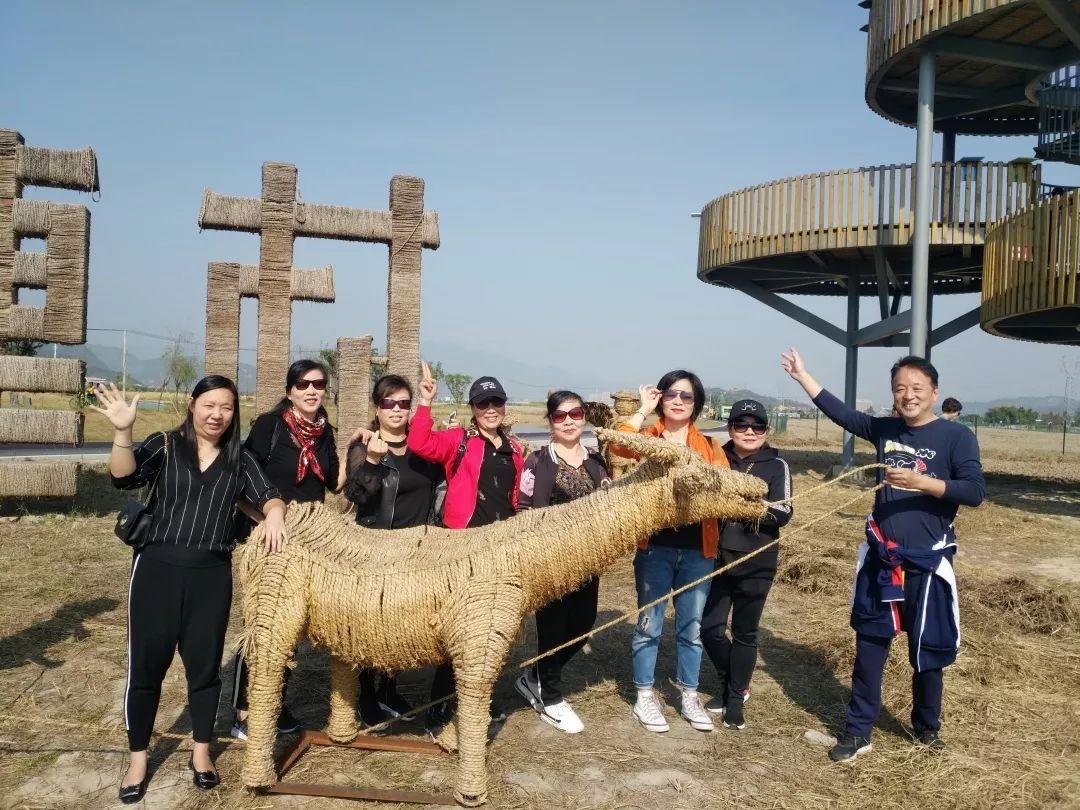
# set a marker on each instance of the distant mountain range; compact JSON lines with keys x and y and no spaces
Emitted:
{"x":522,"y":380}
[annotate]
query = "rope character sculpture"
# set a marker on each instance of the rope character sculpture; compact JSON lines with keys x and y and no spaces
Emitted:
{"x":398,"y":600}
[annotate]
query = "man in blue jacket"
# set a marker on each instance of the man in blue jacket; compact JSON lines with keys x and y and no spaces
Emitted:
{"x":905,"y":578}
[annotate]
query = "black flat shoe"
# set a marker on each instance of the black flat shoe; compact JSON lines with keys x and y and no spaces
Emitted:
{"x":203,"y":780}
{"x":129,"y":794}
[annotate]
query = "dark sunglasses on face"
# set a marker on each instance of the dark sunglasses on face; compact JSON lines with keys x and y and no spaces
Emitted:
{"x":672,"y":393}
{"x":577,"y":414}
{"x":389,"y":404}
{"x":302,"y":385}
{"x":758,"y":428}
{"x":485,"y":404}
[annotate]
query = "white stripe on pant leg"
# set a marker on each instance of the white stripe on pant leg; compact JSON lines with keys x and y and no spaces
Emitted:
{"x":236,"y":679}
{"x":127,"y":685}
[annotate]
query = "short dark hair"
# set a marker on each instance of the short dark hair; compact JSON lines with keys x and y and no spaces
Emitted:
{"x":296,"y":373}
{"x":951,"y":405}
{"x":918,"y":363}
{"x":557,"y":398}
{"x":229,"y":443}
{"x":673,"y":377}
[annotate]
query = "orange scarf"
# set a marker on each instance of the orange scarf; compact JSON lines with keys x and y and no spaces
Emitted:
{"x":700,"y":444}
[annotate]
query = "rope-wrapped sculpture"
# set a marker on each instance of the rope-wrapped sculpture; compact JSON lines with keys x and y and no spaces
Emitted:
{"x":398,"y":600}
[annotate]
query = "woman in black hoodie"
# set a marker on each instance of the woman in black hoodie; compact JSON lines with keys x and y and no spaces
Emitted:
{"x":742,"y":591}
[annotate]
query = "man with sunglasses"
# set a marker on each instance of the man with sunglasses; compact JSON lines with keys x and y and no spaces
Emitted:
{"x":742,"y":591}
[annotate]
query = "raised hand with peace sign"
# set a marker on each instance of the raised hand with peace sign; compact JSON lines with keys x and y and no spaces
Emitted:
{"x":429,"y":386}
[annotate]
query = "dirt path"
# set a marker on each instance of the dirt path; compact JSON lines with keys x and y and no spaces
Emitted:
{"x":1011,"y":719}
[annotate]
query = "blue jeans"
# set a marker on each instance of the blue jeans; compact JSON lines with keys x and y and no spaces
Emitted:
{"x":657,"y":571}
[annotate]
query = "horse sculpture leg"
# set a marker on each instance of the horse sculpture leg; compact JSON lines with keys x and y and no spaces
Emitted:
{"x":341,"y":727}
{"x":273,"y":641}
{"x":481,"y":626}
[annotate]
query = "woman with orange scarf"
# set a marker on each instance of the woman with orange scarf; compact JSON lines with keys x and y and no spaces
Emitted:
{"x":672,"y":558}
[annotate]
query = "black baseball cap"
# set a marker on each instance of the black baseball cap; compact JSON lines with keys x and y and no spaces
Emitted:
{"x":749,"y":407}
{"x":486,"y":388}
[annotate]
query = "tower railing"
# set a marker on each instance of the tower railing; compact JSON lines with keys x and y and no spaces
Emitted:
{"x":865,"y":207}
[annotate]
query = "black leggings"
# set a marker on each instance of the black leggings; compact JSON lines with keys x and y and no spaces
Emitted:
{"x":557,"y":623}
{"x":734,"y":659}
{"x":172,"y":606}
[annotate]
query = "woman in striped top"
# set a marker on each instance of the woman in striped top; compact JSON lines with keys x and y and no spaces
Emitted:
{"x":181,"y":579}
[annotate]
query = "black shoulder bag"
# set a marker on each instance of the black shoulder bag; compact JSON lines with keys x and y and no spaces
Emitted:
{"x":136,"y":518}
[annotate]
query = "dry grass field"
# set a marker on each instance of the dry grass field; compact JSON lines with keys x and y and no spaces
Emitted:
{"x":1012,"y":702}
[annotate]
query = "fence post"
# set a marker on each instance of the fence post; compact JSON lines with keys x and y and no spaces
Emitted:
{"x":817,"y":416}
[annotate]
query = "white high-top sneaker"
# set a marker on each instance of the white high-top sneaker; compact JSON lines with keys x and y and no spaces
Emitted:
{"x":648,"y":712}
{"x":693,"y":711}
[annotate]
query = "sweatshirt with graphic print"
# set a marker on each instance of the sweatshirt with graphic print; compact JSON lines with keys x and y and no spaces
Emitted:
{"x":941,"y":449}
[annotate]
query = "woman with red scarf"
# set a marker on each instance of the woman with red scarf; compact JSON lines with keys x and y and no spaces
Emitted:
{"x":294,"y":444}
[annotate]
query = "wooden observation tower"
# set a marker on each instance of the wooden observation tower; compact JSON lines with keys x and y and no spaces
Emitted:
{"x":915,"y":231}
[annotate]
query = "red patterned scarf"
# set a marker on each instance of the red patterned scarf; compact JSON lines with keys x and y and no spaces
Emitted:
{"x":306,"y":434}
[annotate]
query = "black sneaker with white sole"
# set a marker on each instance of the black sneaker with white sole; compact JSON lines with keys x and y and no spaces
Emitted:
{"x":733,"y":714}
{"x":850,"y":747}
{"x":930,"y":739}
{"x":286,"y":723}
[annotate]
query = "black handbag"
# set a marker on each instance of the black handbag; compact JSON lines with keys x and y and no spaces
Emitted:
{"x":136,"y":517}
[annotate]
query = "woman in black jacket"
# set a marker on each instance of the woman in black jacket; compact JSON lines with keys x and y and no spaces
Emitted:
{"x":559,"y":473}
{"x":742,"y":591}
{"x":393,"y":488}
{"x":294,"y":444}
{"x":181,"y":579}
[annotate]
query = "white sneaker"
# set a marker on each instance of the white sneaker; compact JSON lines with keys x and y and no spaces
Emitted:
{"x":562,"y":717}
{"x":694,"y":713}
{"x":648,"y":712}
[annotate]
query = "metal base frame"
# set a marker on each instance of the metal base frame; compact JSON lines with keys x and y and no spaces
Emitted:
{"x":409,"y":745}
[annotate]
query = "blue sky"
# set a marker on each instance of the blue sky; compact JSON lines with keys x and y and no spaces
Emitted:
{"x":563,"y":144}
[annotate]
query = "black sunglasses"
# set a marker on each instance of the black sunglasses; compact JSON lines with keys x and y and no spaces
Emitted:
{"x":492,"y":402}
{"x":758,"y":428}
{"x":302,"y":385}
{"x":389,"y":404}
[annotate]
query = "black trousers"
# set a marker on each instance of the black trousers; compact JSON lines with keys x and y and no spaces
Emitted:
{"x":557,"y":623}
{"x":743,"y":596}
{"x":174,"y":606}
{"x":871,"y":653}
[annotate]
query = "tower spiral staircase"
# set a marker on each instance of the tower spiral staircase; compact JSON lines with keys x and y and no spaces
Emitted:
{"x":958,"y":67}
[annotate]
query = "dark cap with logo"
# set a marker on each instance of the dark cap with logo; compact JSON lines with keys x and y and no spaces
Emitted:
{"x":486,"y":388}
{"x":749,"y":408}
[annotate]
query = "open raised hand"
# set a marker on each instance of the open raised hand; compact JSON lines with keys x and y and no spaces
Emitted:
{"x":429,"y":386}
{"x":791,"y":361}
{"x":116,"y":408}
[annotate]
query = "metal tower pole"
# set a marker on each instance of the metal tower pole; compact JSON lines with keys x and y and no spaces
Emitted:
{"x":851,"y":360}
{"x":924,"y":155}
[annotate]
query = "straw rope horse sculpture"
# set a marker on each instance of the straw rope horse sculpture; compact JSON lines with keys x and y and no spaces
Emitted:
{"x":398,"y":600}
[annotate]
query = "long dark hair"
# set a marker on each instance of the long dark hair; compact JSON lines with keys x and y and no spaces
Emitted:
{"x":673,"y":377}
{"x":384,"y":386}
{"x":296,"y":372}
{"x":229,"y":443}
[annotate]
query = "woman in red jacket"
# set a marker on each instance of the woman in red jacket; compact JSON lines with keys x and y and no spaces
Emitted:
{"x":483,"y":471}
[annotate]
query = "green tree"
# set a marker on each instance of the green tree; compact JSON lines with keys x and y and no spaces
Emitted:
{"x":180,"y":371}
{"x":331,"y":359}
{"x":456,"y":384}
{"x":20,"y":347}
